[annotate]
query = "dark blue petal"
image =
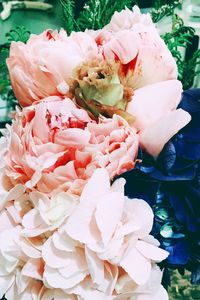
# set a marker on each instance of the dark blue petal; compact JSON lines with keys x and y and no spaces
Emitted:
{"x":178,"y":252}
{"x":167,"y":157}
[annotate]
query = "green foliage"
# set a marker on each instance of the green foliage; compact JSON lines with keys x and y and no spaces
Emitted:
{"x":20,"y":33}
{"x":179,"y":38}
{"x":68,"y":10}
{"x":162,"y":10}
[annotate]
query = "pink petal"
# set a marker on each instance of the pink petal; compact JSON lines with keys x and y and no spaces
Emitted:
{"x":97,"y":186}
{"x":32,"y":219}
{"x":55,"y":280}
{"x":86,"y":291}
{"x":136,"y":265}
{"x":108,"y":214}
{"x":151,"y":251}
{"x":29,"y":250}
{"x":6,"y":221}
{"x":139,"y":213}
{"x":54,"y":257}
{"x":64,"y":242}
{"x":111,"y":275}
{"x":33,"y":269}
{"x":154,"y":138}
{"x":154,"y":101}
{"x":81,"y":226}
{"x":122,"y":46}
{"x":72,"y":137}
{"x":95,"y":266}
{"x":40,"y":122}
{"x":77,"y":264}
{"x":161,"y":294}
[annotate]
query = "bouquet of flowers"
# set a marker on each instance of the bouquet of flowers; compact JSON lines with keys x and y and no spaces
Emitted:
{"x":95,"y":107}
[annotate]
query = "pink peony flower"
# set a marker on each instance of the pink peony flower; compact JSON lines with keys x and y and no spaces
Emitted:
{"x":156,"y":117}
{"x":132,"y":39}
{"x":55,"y":145}
{"x":42,"y":67}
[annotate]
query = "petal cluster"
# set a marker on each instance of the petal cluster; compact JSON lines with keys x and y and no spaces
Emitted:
{"x":145,"y":59}
{"x":55,"y":145}
{"x":100,"y":248}
{"x":105,"y":240}
{"x":41,"y":67}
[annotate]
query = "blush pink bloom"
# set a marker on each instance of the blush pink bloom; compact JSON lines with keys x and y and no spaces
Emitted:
{"x":55,"y":145}
{"x":41,"y":67}
{"x":132,"y":39}
{"x":89,"y":256}
{"x":156,"y":117}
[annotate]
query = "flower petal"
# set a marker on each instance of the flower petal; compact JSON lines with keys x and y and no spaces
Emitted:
{"x":153,"y":138}
{"x":154,"y":101}
{"x":136,"y":265}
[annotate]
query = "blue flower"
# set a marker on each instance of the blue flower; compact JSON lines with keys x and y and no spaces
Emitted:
{"x":171,"y":185}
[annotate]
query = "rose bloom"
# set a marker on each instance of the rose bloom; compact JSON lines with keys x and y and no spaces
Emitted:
{"x":55,"y":145}
{"x":42,"y":66}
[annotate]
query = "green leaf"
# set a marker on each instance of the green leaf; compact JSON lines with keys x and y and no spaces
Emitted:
{"x":68,"y":10}
{"x":20,"y":33}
